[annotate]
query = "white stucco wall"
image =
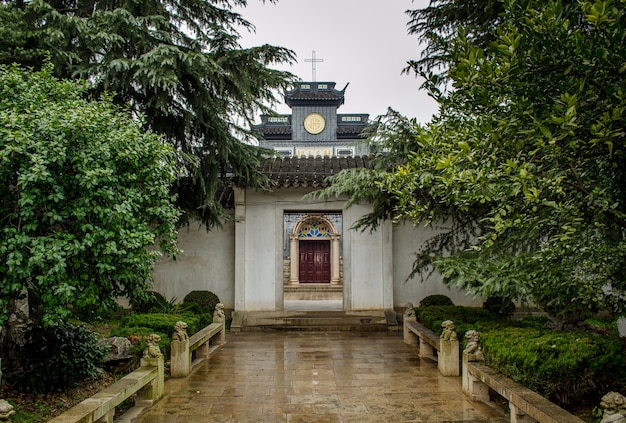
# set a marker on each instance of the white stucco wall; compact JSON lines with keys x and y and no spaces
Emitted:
{"x":407,"y":240}
{"x":243,"y":261}
{"x":368,"y":273}
{"x":262,"y":241}
{"x":206,"y":263}
{"x":260,"y":221}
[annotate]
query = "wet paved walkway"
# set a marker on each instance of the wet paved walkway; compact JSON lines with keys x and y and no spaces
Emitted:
{"x":315,"y":377}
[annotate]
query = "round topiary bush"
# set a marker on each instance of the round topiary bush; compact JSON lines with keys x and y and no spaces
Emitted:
{"x":499,"y":305}
{"x":151,"y":300}
{"x":436,"y":300}
{"x":205,"y":300}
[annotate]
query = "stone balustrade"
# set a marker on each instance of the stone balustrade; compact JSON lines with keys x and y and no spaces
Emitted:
{"x":526,"y":406}
{"x":444,"y":348}
{"x":184,"y":349}
{"x":147,"y":382}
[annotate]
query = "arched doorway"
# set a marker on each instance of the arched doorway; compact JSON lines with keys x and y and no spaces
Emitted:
{"x":314,"y":251}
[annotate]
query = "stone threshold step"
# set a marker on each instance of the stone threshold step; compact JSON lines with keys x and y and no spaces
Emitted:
{"x":338,"y":328}
{"x":313,"y":288}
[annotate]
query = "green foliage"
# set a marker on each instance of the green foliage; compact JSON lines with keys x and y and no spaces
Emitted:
{"x":439,"y":22}
{"x":146,"y":302}
{"x":206,"y":300}
{"x":138,"y":326}
{"x":436,"y":300}
{"x":566,"y":367}
{"x":178,"y":63}
{"x":85,"y":190}
{"x":499,"y":305}
{"x":164,"y":323}
{"x":525,"y":162}
{"x":464,"y":318}
{"x":56,"y":357}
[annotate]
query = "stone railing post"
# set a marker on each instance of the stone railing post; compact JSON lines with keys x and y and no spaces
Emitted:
{"x":220,"y":317}
{"x":152,"y":357}
{"x":180,"y":358}
{"x":448,"y":360}
{"x":473,"y":387}
{"x":409,"y":316}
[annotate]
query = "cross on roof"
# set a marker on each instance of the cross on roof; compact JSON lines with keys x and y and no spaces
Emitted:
{"x":313,"y":61}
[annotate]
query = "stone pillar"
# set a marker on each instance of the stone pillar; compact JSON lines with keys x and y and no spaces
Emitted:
{"x":448,"y":360}
{"x":519,"y":417}
{"x":410,"y":337}
{"x":335,"y":279}
{"x":475,"y":389}
{"x":155,"y":390}
{"x":201,"y":352}
{"x":294,"y":253}
{"x":427,"y":350}
{"x":221,"y":340}
{"x":107,"y":418}
{"x":180,"y":359}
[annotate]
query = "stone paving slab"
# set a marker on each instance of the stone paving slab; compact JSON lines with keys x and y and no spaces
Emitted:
{"x":316,"y":377}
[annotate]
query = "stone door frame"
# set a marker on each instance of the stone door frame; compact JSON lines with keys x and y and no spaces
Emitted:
{"x":294,"y":248}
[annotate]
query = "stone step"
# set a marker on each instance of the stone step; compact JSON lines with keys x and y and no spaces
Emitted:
{"x":363,"y":321}
{"x":313,"y":288}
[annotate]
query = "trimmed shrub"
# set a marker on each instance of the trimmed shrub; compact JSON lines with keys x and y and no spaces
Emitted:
{"x":436,"y":300}
{"x":499,"y":305}
{"x":565,"y":367}
{"x":164,"y":323}
{"x":138,"y":326}
{"x":205,"y":300}
{"x":57,"y":357}
{"x":464,"y":318}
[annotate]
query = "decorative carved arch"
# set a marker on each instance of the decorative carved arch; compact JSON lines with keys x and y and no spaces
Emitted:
{"x":296,"y":236}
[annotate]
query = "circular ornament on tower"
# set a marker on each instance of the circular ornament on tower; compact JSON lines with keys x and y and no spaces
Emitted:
{"x":314,"y":123}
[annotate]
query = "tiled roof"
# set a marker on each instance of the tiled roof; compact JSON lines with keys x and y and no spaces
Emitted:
{"x":297,"y":172}
{"x":352,"y":129}
{"x":274,"y":129}
{"x":314,"y":95}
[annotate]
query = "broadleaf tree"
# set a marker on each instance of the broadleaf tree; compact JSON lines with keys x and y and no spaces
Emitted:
{"x":86,"y":197}
{"x":525,"y":160}
{"x":178,"y":63}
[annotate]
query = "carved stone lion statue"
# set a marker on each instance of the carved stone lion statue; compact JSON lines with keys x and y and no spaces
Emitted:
{"x":614,"y":405}
{"x":152,"y":349}
{"x":218,"y":314}
{"x":409,"y":311}
{"x":472,"y":348}
{"x":473,"y":338}
{"x":180,"y":331}
{"x":448,"y":333}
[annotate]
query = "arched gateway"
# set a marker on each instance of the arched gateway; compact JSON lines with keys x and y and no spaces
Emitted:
{"x":314,"y":249}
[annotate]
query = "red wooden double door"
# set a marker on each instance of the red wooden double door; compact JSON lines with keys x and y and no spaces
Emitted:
{"x":314,"y":262}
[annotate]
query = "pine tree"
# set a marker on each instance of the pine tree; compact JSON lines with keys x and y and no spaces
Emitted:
{"x":175,"y":62}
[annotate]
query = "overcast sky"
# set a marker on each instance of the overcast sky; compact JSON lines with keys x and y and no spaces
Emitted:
{"x":361,"y":42}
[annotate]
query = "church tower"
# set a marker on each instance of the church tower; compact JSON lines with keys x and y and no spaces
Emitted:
{"x":315,"y":128}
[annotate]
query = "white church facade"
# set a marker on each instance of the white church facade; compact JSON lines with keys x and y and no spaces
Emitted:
{"x":278,"y":242}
